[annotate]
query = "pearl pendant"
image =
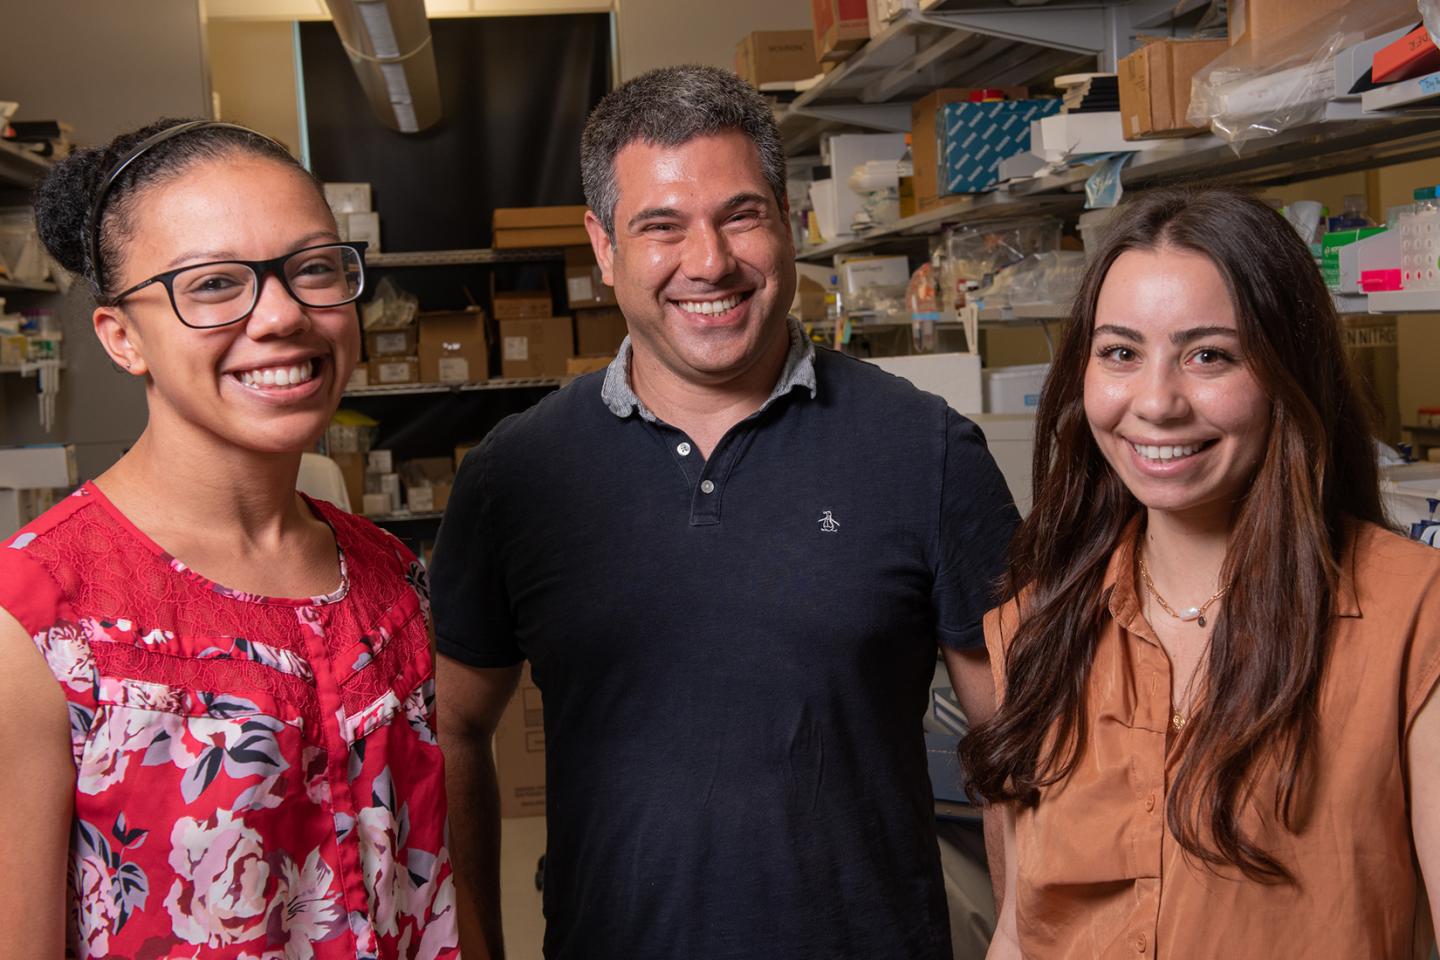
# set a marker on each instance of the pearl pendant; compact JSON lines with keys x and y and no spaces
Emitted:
{"x":1192,"y":613}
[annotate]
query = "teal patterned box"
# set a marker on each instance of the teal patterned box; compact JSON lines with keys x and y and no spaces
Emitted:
{"x":974,"y":137}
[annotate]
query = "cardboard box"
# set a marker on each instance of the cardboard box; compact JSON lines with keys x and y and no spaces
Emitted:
{"x":1155,"y":86}
{"x":841,"y":27}
{"x":536,"y":347}
{"x":359,"y":377}
{"x":599,"y":331}
{"x":539,"y":227}
{"x":540,"y":237}
{"x":925,"y":139}
{"x":453,"y":348}
{"x":520,"y":752}
{"x":14,"y":349}
{"x":521,"y":304}
{"x":380,"y":461}
{"x":774,"y":56}
{"x":38,"y":467}
{"x":1264,"y":21}
{"x":358,"y":227}
{"x":460,"y":450}
{"x":518,"y":218}
{"x":974,"y":137}
{"x":348,"y":197}
{"x":375,"y":504}
{"x":390,"y":343}
{"x":427,"y":482}
{"x":579,"y":366}
{"x":352,"y":468}
{"x":391,"y":370}
{"x":584,"y":287}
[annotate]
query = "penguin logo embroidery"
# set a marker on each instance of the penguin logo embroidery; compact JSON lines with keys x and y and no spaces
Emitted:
{"x":829,"y":524}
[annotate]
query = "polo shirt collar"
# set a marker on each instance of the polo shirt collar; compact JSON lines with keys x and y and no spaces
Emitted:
{"x":799,"y":371}
{"x":1124,"y":601}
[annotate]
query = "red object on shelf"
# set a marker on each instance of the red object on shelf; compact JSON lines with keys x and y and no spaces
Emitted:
{"x":1410,"y":56}
{"x":1375,"y":281}
{"x":986,"y":94}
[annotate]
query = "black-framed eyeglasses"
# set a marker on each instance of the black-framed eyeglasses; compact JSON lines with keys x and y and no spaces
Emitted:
{"x":222,"y":292}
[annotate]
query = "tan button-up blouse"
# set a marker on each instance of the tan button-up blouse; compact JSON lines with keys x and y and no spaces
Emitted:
{"x":1100,"y":874}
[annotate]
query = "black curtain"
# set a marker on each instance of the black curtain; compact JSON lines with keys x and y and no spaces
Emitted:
{"x":515,"y":92}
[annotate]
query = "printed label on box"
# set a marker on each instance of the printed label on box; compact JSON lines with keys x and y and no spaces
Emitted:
{"x":580,"y":288}
{"x":517,"y":348}
{"x":393,"y":372}
{"x":454,"y":369}
{"x":390,"y":342}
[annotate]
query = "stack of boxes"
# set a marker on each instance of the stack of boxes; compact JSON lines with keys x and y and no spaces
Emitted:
{"x":382,"y":484}
{"x":516,"y":227}
{"x":599,"y":324}
{"x":533,"y":341}
{"x":1155,"y":86}
{"x":427,"y":483}
{"x":393,"y":353}
{"x":351,"y":204}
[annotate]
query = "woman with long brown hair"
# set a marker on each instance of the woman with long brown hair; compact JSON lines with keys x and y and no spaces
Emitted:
{"x":1217,"y":735}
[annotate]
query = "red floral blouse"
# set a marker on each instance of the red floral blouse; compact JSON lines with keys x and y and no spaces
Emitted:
{"x":256,"y":777}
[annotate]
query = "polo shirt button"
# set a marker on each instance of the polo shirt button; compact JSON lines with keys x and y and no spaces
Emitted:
{"x":707,"y":486}
{"x":683,"y":449}
{"x":1140,"y":942}
{"x":1150,"y":803}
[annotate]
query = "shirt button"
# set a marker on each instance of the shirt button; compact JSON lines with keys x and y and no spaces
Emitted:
{"x":1150,"y":803}
{"x":683,"y":449}
{"x":1140,"y":942}
{"x":707,"y":486}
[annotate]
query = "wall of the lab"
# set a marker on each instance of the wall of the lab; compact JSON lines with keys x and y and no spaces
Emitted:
{"x":104,"y":68}
{"x":252,"y":71}
{"x":662,"y":33}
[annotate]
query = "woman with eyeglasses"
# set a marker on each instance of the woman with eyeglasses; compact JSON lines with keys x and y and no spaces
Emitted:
{"x":217,"y":736}
{"x":1218,"y":732}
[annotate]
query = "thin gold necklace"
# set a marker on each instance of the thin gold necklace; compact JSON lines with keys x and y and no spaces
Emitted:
{"x":1196,"y":614}
{"x":1177,"y":719}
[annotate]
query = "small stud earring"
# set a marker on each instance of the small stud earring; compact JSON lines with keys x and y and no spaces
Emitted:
{"x":127,"y":364}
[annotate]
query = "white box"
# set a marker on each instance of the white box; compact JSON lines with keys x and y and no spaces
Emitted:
{"x":50,"y":465}
{"x":848,"y":151}
{"x":360,"y":228}
{"x":954,"y":377}
{"x":390,"y":487}
{"x":380,"y":461}
{"x":348,"y":197}
{"x":862,"y":272}
{"x":1010,"y":438}
{"x":1071,"y":134}
{"x":1014,"y":389}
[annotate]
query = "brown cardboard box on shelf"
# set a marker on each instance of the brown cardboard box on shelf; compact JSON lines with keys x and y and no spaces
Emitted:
{"x":841,"y":27}
{"x":584,"y":287}
{"x":390,"y":343}
{"x":427,"y":482}
{"x":925,"y":140}
{"x":352,"y":468}
{"x":453,"y":348}
{"x":461,"y":449}
{"x":1265,"y":21}
{"x":769,"y":56}
{"x":392,"y":370}
{"x":1155,"y":86}
{"x":536,"y":347}
{"x":579,"y":366}
{"x":599,"y":331}
{"x":540,"y":237}
{"x":521,"y":304}
{"x":811,"y":300}
{"x":520,"y":752}
{"x":539,"y":227}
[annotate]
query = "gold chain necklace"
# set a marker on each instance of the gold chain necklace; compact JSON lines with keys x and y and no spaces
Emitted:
{"x":1177,"y":719}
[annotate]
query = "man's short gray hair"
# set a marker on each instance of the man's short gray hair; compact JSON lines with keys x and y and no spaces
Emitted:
{"x":669,"y":107}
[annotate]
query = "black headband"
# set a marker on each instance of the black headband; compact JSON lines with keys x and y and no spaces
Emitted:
{"x":92,"y":222}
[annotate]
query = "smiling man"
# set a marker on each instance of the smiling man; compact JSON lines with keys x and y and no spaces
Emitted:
{"x":728,"y":560}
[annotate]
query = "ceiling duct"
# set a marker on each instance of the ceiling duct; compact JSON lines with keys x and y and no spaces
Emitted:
{"x":388,"y":42}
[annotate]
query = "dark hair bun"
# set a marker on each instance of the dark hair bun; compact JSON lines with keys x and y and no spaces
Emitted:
{"x":62,"y":204}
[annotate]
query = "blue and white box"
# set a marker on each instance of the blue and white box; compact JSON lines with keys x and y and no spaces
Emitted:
{"x":973,"y":138}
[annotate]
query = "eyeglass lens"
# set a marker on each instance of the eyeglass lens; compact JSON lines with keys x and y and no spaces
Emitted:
{"x":217,"y":294}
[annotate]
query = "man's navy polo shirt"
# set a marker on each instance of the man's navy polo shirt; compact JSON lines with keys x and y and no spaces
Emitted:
{"x":735,"y":657}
